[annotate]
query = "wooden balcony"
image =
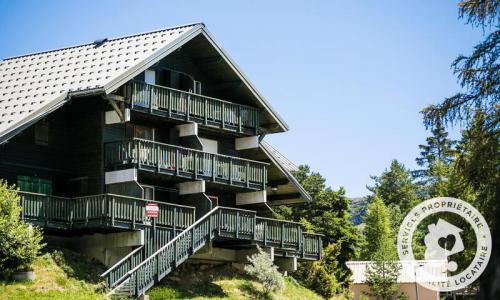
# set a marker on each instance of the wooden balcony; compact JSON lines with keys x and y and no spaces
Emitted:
{"x":176,"y":234}
{"x":101,"y":211}
{"x":186,"y":163}
{"x":185,"y":106}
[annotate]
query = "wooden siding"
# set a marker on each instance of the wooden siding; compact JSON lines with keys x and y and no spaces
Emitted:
{"x":86,"y":136}
{"x":74,"y":149}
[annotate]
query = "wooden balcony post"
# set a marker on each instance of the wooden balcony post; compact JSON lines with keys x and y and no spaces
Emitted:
{"x":320,"y":247}
{"x":158,"y":158}
{"x":188,"y":107}
{"x":113,"y":211}
{"x":237,"y":223}
{"x":86,"y":211}
{"x":223,"y":116}
{"x":213,"y":167}
{"x":282,"y":235}
{"x":134,"y":203}
{"x":302,"y":245}
{"x":192,"y":240}
{"x":103,"y":210}
{"x":265,"y":232}
{"x":151,"y":91}
{"x":138,"y":152}
{"x":206,"y":111}
{"x":254,"y":225}
{"x":71,"y":212}
{"x":195,"y":171}
{"x":169,"y":104}
{"x":177,"y":165}
{"x":239,"y":118}
{"x":230,"y":171}
{"x":247,"y":174}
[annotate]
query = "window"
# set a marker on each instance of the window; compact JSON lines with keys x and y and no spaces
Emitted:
{"x":34,"y":184}
{"x":42,"y":133}
{"x":150,"y":76}
{"x":197,"y":87}
{"x":79,"y":186}
{"x":142,"y":132}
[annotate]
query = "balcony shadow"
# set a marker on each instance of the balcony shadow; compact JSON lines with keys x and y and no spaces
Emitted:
{"x":253,"y":292}
{"x":77,"y":266}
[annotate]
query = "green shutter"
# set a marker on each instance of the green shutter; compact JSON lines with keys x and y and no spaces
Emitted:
{"x":34,"y":185}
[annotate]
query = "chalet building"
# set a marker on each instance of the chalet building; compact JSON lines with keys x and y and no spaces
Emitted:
{"x":146,"y":151}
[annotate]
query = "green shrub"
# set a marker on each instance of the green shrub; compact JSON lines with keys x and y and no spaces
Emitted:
{"x":20,"y":243}
{"x":315,"y":276}
{"x":319,"y":276}
{"x":262,"y":267}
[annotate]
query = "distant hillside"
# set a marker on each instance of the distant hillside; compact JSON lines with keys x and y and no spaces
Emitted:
{"x":358,"y":209}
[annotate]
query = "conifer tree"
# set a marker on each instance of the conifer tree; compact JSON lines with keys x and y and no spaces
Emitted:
{"x":395,"y":187}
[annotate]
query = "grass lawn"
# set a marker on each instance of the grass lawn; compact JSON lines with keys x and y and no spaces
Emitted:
{"x":60,"y":274}
{"x":63,"y":274}
{"x":223,"y":283}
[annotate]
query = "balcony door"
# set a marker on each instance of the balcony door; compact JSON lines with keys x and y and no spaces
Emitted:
{"x":179,"y":81}
{"x":141,"y":132}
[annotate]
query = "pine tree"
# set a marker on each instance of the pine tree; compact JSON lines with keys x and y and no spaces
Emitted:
{"x":478,"y":164}
{"x":436,"y":157}
{"x":395,"y":187}
{"x":438,"y":148}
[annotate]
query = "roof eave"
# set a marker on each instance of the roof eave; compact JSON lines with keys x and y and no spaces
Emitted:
{"x":279,"y":120}
{"x":287,"y":173}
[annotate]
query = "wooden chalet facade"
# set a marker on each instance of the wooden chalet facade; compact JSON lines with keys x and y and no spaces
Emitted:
{"x":100,"y":136}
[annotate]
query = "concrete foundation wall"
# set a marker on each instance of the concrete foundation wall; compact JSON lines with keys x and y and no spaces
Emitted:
{"x":216,"y":254}
{"x":107,"y":248}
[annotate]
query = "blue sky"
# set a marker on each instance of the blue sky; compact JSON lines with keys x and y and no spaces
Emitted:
{"x":349,"y":77}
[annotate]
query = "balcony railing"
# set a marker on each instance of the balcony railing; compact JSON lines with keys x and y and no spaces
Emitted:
{"x":221,"y":222}
{"x":186,"y":106}
{"x":187,"y":163}
{"x":100,"y":211}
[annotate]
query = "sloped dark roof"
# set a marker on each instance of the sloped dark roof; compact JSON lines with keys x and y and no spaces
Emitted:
{"x":33,"y":85}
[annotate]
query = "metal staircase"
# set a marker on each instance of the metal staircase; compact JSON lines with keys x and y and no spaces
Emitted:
{"x":220,"y":223}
